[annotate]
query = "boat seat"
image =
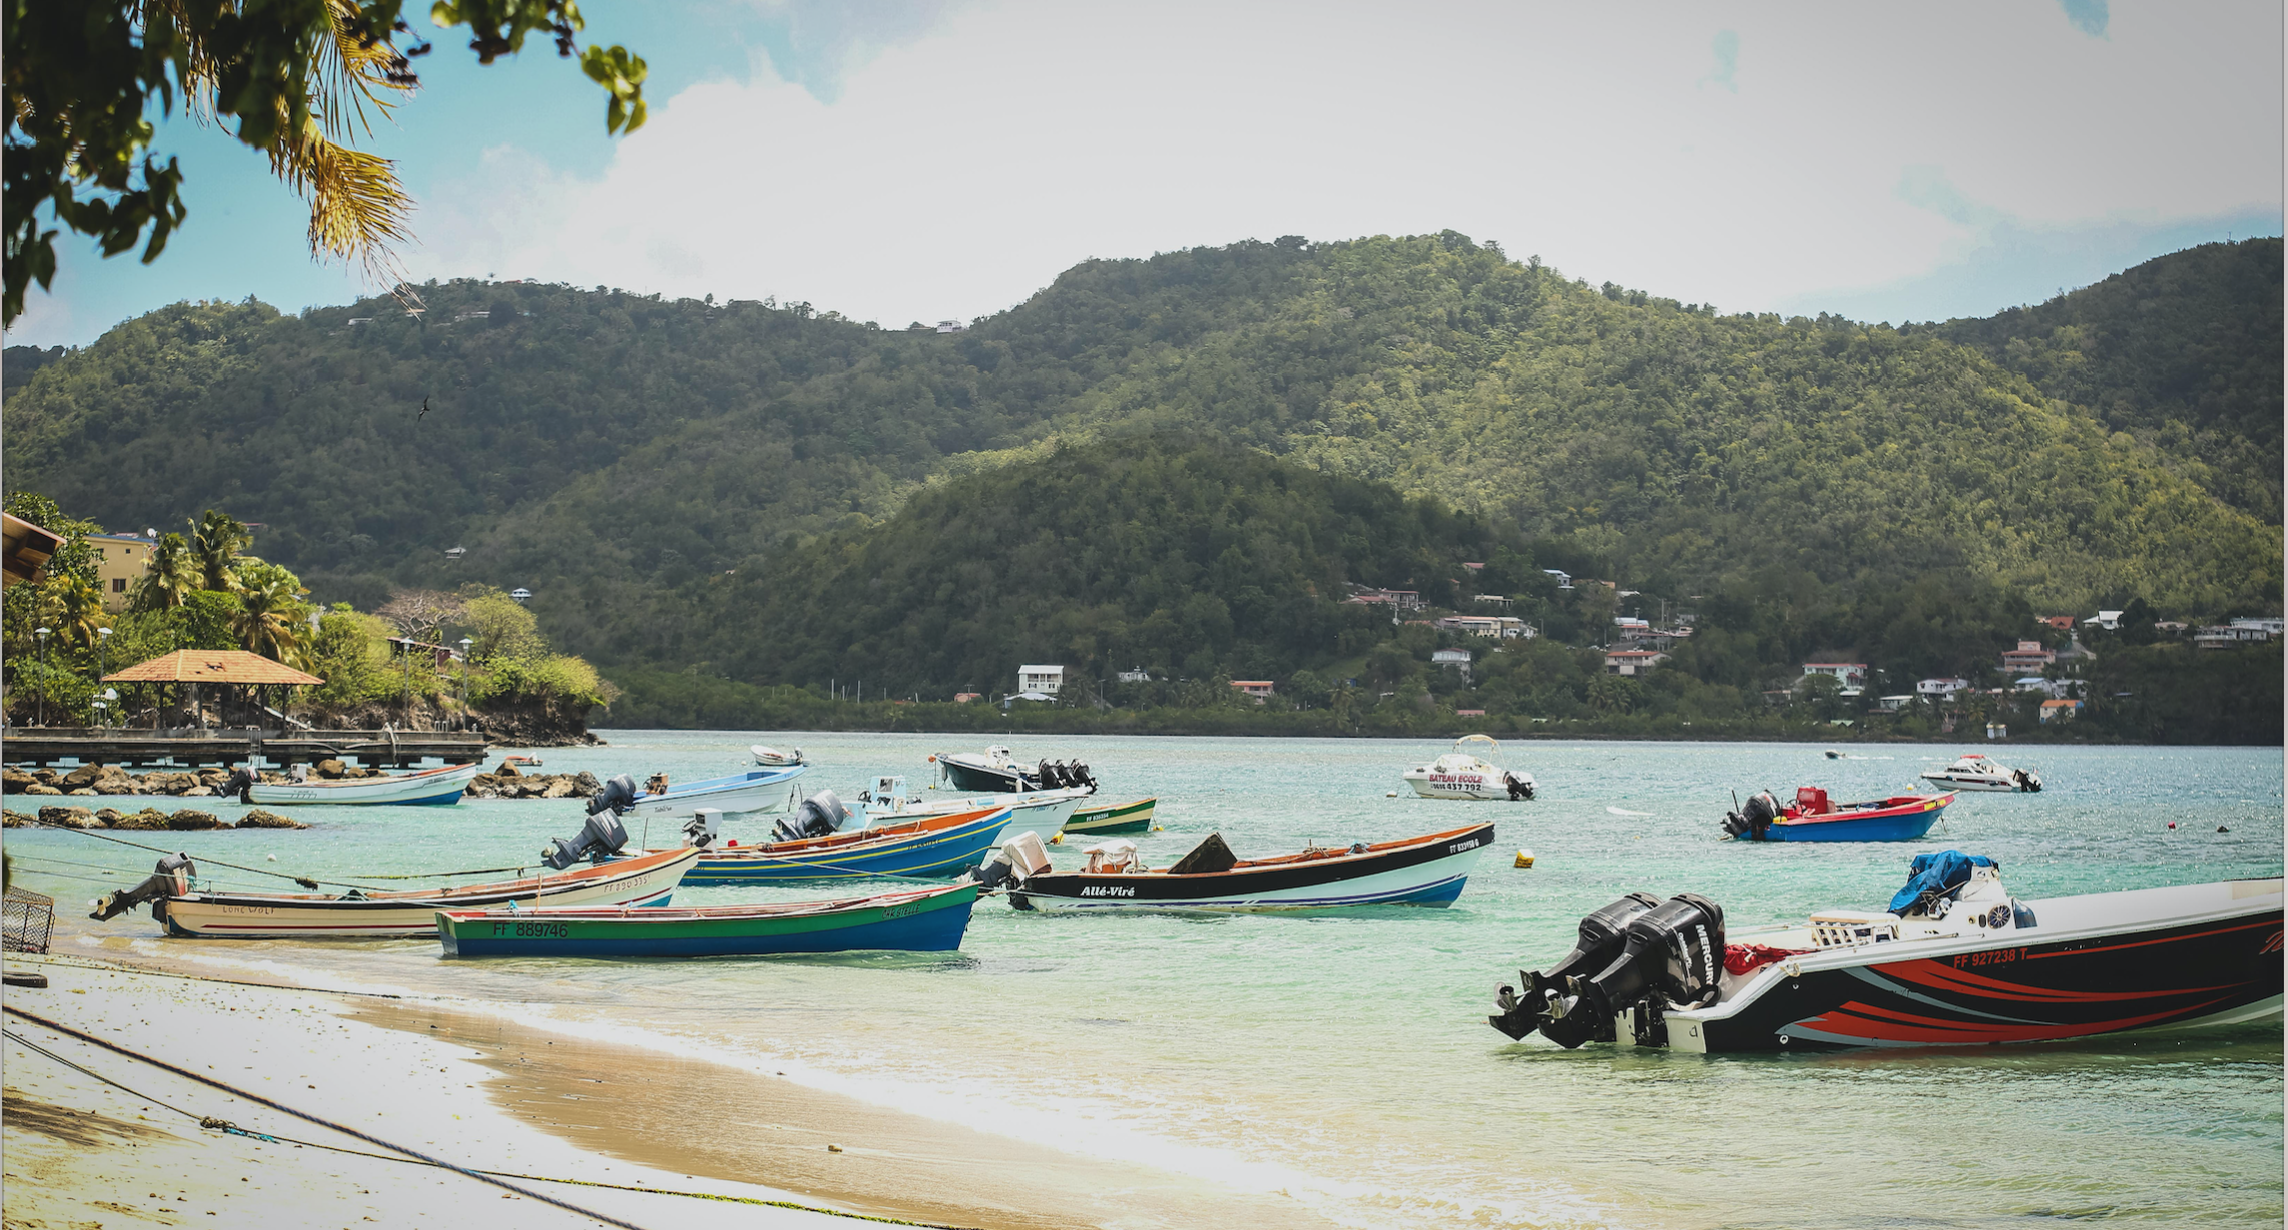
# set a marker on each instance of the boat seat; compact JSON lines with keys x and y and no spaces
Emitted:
{"x":1812,"y":801}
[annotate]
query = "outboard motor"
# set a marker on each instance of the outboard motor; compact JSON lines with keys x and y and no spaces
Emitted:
{"x":1520,"y":790}
{"x":172,"y":878}
{"x":705,"y":826}
{"x":1754,"y":819}
{"x":1602,"y":935}
{"x":819,"y":815}
{"x":618,"y":794}
{"x":601,"y":837}
{"x":1671,"y":955}
{"x":1082,"y":777}
{"x":239,"y":783}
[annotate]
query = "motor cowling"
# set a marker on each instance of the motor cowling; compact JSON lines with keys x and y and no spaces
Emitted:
{"x":1602,"y":935}
{"x":1754,"y":819}
{"x":618,"y":794}
{"x":172,"y":877}
{"x":600,"y":838}
{"x":1671,"y":954}
{"x":819,"y":815}
{"x":240,"y":784}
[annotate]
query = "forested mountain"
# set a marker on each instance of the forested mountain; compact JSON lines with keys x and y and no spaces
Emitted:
{"x":2183,"y":351}
{"x":639,"y":463}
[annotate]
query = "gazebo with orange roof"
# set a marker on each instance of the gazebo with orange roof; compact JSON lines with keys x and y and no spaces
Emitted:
{"x":233,"y":667}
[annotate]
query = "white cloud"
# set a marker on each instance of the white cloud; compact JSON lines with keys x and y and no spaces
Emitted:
{"x":957,"y":174}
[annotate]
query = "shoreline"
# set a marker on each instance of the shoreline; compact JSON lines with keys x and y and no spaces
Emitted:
{"x":522,"y":1097}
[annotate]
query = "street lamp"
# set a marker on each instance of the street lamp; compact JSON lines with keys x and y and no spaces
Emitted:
{"x":102,"y":659}
{"x":465,"y":643}
{"x":40,"y":717}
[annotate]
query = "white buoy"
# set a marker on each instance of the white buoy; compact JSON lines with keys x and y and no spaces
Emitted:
{"x":1390,"y":794}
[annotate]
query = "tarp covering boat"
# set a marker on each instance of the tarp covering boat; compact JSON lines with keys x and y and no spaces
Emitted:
{"x":1936,"y":876}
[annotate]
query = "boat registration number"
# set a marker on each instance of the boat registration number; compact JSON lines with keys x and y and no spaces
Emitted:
{"x":900,"y":911}
{"x":1109,"y":890}
{"x":1999,"y":956}
{"x":532,"y":930}
{"x":1468,"y":843}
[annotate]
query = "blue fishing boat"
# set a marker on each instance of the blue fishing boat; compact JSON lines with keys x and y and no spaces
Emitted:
{"x":1904,"y":817}
{"x":906,"y":920}
{"x":931,"y":847}
{"x":739,"y":794}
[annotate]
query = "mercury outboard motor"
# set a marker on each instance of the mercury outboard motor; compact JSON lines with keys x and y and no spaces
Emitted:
{"x":238,"y":784}
{"x":1602,"y":936}
{"x":819,"y":815}
{"x":172,"y":878}
{"x":1671,"y":955}
{"x":1520,"y":790}
{"x":618,"y":794}
{"x":601,"y":837}
{"x":1754,"y":819}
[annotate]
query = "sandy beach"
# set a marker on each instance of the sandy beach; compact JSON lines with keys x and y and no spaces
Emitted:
{"x":466,"y":1084}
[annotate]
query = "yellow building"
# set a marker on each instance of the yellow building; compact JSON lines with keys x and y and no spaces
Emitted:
{"x":119,"y":559}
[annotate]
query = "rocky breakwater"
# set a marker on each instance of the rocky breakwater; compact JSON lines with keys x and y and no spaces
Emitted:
{"x":149,"y":819}
{"x":98,"y":780}
{"x":507,"y":783}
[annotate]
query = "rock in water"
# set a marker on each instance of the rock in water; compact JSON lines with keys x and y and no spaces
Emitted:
{"x":506,"y":770}
{"x":70,"y":817}
{"x":15,"y":780}
{"x":108,"y":815}
{"x":198,"y":792}
{"x":260,"y":819}
{"x":330,"y":768}
{"x":191,"y":820}
{"x":14,"y":820}
{"x":84,"y":775}
{"x":37,"y":788}
{"x":150,"y":819}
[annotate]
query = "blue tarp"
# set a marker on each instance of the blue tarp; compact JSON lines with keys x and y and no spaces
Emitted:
{"x":1939,"y":873}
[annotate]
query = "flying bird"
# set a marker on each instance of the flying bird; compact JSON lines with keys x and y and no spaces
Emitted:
{"x":424,"y":410}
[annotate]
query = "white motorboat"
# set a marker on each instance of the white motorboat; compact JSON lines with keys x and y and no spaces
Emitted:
{"x":1978,"y":771}
{"x":428,"y":786}
{"x":758,"y":790}
{"x":1465,"y":773}
{"x":996,"y":772}
{"x":773,"y":758}
{"x":889,"y":803}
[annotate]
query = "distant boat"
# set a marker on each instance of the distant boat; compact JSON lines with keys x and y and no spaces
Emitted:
{"x":1977,"y":771}
{"x":773,"y":758}
{"x":994,"y":772}
{"x":1427,"y":870}
{"x":1133,"y":817}
{"x":1465,"y":773}
{"x":442,"y":786}
{"x":906,"y":920}
{"x":412,"y":914}
{"x":757,"y":790}
{"x":932,"y":847}
{"x":1904,"y":817}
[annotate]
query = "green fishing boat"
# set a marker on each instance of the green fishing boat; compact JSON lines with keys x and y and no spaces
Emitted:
{"x":1125,"y":818}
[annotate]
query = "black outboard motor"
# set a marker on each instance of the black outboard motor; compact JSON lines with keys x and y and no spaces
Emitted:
{"x":601,"y":837}
{"x":1602,"y":936}
{"x":1082,"y":777}
{"x":994,"y":872}
{"x":618,"y":794}
{"x":1669,"y":955}
{"x":819,"y":815}
{"x":238,"y":784}
{"x":1754,"y":819}
{"x":1520,"y":790}
{"x":172,"y":877}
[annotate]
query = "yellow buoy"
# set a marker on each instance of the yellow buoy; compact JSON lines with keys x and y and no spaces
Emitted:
{"x":1057,"y":840}
{"x":1524,"y":858}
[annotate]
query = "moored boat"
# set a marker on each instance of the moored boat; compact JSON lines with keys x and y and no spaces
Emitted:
{"x":907,"y":920}
{"x":931,"y":847}
{"x":187,"y":909}
{"x":773,"y":758}
{"x":1904,"y":817}
{"x":1133,"y":817}
{"x":758,"y":790}
{"x":995,"y":772}
{"x":1465,"y":773}
{"x":427,"y":787}
{"x":887,"y":802}
{"x":1428,"y":870}
{"x":1977,"y":771}
{"x":1954,"y":961}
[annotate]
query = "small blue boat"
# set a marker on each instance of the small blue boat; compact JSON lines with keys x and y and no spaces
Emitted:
{"x":1903,"y":817}
{"x":906,"y":920}
{"x":739,"y":794}
{"x":932,"y":847}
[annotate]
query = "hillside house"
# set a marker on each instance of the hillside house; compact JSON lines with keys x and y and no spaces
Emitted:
{"x":1501,"y":627}
{"x":2269,"y":626}
{"x":119,"y":559}
{"x":963,"y":698}
{"x":1260,"y":689}
{"x":1138,"y":675}
{"x":2108,"y":620}
{"x":2229,"y":636}
{"x":1632,"y":661}
{"x":1563,"y":578}
{"x":2063,"y":623}
{"x":1852,"y":675}
{"x":2028,"y":657}
{"x":1939,"y":689}
{"x":1047,"y":680}
{"x":1400,"y":599}
{"x":2059,"y":710}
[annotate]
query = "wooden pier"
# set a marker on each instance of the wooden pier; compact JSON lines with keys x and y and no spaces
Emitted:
{"x":48,"y":745}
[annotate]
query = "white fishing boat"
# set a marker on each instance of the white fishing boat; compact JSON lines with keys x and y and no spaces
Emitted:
{"x":757,"y":790}
{"x":442,"y":786}
{"x":888,"y":802}
{"x":1465,"y":773}
{"x":996,"y":771}
{"x":1977,"y":771}
{"x":773,"y":758}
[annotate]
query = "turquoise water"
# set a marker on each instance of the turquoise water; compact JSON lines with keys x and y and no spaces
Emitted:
{"x":1346,"y":1061}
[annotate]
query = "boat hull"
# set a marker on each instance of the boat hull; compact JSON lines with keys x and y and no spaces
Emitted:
{"x":1430,"y":873}
{"x":937,"y":848}
{"x":982,"y":779}
{"x":764,"y":790}
{"x":1037,"y":807}
{"x":1888,"y":824}
{"x":1129,"y":818}
{"x":2017,"y":986}
{"x":645,"y":881}
{"x":1971,"y":782}
{"x":932,"y":921}
{"x":430,"y":788}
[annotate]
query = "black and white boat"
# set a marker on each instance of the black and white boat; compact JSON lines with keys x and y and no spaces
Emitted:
{"x":1426,"y":870}
{"x":1954,"y":961}
{"x":994,"y":772}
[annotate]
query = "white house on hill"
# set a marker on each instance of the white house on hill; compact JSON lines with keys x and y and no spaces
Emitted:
{"x":1043,"y":679}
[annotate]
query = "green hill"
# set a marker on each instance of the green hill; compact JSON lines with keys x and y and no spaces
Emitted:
{"x":2182,"y":351}
{"x":635,"y":461}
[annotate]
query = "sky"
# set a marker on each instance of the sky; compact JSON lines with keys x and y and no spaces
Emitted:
{"x":901,"y":160}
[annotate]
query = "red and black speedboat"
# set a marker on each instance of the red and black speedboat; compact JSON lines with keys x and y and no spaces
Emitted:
{"x":1955,"y":961}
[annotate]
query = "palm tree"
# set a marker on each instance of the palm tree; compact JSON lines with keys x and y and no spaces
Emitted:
{"x":169,"y":576}
{"x":79,"y":611}
{"x":266,"y":619}
{"x":216,"y":540}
